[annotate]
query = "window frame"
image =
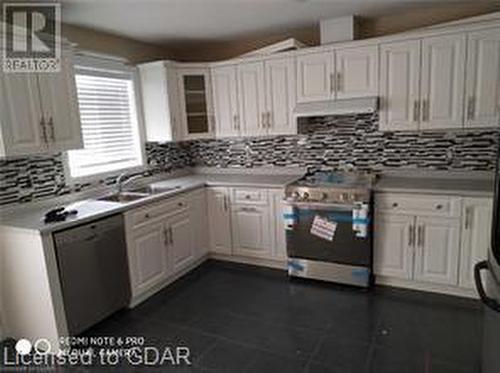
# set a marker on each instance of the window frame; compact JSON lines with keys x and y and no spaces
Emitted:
{"x":106,"y":63}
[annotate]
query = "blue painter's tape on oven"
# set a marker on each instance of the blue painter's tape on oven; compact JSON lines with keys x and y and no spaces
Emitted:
{"x":362,"y":273}
{"x":294,"y":265}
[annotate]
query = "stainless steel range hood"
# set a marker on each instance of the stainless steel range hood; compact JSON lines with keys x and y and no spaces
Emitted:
{"x":337,"y":107}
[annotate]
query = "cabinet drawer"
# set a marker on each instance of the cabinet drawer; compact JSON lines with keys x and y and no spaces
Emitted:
{"x":250,"y":195}
{"x":166,"y":208}
{"x":429,"y":205}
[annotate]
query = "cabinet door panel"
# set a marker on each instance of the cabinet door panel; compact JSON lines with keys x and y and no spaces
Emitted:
{"x":150,"y":256}
{"x":443,"y":74}
{"x":195,"y":102}
{"x":181,"y":245}
{"x":251,"y":231}
{"x":438,"y":246}
{"x":483,"y":79}
{"x":278,"y":224}
{"x":314,"y":76}
{"x":198,"y":218}
{"x":252,"y":98}
{"x":476,"y":233}
{"x":393,"y":245}
{"x":226,"y":101}
{"x":60,"y":106}
{"x":280,"y":96}
{"x":219,"y":220}
{"x":399,"y":85}
{"x":20,"y":114}
{"x":357,"y":71}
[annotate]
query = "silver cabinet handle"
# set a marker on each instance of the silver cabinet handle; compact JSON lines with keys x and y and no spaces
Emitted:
{"x":416,"y":110}
{"x":425,"y":110}
{"x":469,"y":108}
{"x":468,"y":217}
{"x":225,"y":203}
{"x":410,"y":236}
{"x":333,"y":83}
{"x":50,"y":124}
{"x":263,"y":120}
{"x":248,"y":209}
{"x":421,"y":236}
{"x":340,"y":85}
{"x":165,"y":235}
{"x":269,"y":116}
{"x":43,"y":130}
{"x":236,"y":122}
{"x":171,"y":236}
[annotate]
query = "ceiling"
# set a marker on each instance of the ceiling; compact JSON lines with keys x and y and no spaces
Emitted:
{"x":162,"y":22}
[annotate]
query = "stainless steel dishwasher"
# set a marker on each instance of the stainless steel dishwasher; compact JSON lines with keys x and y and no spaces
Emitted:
{"x":93,"y":271}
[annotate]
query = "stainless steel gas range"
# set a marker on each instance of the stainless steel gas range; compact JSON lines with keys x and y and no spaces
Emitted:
{"x":328,"y":221}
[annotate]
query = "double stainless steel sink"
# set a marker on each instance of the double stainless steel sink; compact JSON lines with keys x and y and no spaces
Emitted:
{"x":137,"y":193}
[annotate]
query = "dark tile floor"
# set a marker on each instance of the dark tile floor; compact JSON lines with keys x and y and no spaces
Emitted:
{"x":237,"y":318}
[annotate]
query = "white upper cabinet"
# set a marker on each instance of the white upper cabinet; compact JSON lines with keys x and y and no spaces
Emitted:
{"x":60,"y":107}
{"x":315,"y":76}
{"x":39,"y":111}
{"x":437,"y":254}
{"x":399,"y":85}
{"x":20,"y":115}
{"x":252,"y":100}
{"x":477,"y":216}
{"x":280,"y":96}
{"x":195,"y":98}
{"x":482,"y":92}
{"x":225,"y":93}
{"x":442,"y":81}
{"x":160,"y":101}
{"x":356,"y":72}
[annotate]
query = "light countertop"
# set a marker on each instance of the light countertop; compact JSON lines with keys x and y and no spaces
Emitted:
{"x":459,"y":185}
{"x":30,"y":216}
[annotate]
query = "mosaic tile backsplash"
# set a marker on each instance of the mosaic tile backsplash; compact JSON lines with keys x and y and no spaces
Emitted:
{"x":326,"y":143}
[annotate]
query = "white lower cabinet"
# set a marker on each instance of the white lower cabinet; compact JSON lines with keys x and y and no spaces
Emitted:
{"x":219,"y":220}
{"x":477,"y":216}
{"x":394,"y":245}
{"x":180,"y":243}
{"x":161,"y":241}
{"x":251,"y":235}
{"x":197,"y":202}
{"x":278,"y":234}
{"x":437,"y":244}
{"x":437,"y":250}
{"x":148,"y":257}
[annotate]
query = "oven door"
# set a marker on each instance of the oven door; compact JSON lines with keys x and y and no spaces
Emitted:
{"x":347,"y":246}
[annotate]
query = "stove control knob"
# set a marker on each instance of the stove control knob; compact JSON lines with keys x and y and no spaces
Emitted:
{"x":305,"y":196}
{"x":295,"y":196}
{"x":323,"y":196}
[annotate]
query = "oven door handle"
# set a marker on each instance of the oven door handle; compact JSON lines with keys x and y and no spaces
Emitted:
{"x":321,"y":206}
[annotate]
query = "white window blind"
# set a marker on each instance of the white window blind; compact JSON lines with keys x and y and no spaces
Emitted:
{"x":108,"y":115}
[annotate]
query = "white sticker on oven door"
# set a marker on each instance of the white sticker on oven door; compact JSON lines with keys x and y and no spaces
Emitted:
{"x":323,"y":228}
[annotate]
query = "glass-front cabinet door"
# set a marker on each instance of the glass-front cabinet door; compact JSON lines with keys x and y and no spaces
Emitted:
{"x":196,"y":103}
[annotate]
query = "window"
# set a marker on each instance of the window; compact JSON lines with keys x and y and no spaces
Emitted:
{"x":108,"y":113}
